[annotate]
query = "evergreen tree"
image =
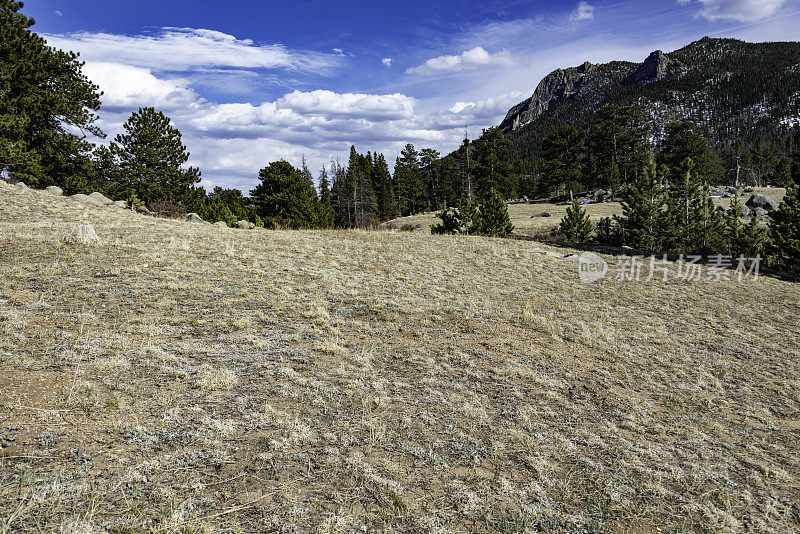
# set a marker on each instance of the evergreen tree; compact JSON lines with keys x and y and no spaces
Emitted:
{"x":408,"y":178}
{"x":734,"y":229}
{"x":464,"y":219}
{"x":494,"y":220}
{"x":754,"y":240}
{"x":284,"y":197}
{"x":383,"y":186}
{"x":618,"y":146}
{"x":43,"y":97}
{"x":451,"y":222}
{"x":643,"y":203}
{"x":561,"y":159}
{"x":576,"y":225}
{"x":430,"y":169}
{"x":784,"y":229}
{"x":684,"y":140}
{"x":691,"y":216}
{"x":365,"y":204}
{"x":325,"y":217}
{"x":492,"y":167}
{"x":151,"y":158}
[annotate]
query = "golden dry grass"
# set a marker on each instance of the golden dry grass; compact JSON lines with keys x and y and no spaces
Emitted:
{"x":182,"y":378}
{"x":526,"y":224}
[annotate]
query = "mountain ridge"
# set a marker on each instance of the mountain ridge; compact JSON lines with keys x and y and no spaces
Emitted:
{"x":736,"y":91}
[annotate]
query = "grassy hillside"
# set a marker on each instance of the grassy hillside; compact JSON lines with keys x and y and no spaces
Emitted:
{"x":526,"y":223}
{"x":179,"y":377}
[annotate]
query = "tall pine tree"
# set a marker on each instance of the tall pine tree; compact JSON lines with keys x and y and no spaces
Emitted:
{"x":44,"y":98}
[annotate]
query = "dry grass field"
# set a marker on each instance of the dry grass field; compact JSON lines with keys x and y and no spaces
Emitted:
{"x":178,"y":377}
{"x":525,"y":224}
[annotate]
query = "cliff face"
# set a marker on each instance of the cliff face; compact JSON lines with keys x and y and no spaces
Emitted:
{"x":736,"y":91}
{"x":555,"y":87}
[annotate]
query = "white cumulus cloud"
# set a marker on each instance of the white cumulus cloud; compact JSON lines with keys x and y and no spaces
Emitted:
{"x":387,"y":62}
{"x":738,"y":10}
{"x":129,"y":87}
{"x":470,"y":59}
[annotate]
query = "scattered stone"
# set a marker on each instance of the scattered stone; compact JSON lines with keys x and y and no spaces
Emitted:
{"x":542,"y":214}
{"x":101,"y":199}
{"x":80,"y":197}
{"x":83,"y":233}
{"x":55,"y":190}
{"x":602,"y":195}
{"x":120,"y":204}
{"x":193,"y":218}
{"x":760,"y":213}
{"x":761,"y":201}
{"x":21,"y":185}
{"x":245,"y":225}
{"x":744,"y":211}
{"x":221,"y":224}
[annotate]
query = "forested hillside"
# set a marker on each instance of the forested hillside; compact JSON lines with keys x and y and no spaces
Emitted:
{"x":737,"y":92}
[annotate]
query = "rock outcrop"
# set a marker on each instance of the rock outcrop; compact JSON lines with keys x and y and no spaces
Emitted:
{"x":54,"y":190}
{"x":656,"y":66}
{"x":82,"y":233}
{"x":193,"y":218}
{"x":761,"y":201}
{"x":555,"y":87}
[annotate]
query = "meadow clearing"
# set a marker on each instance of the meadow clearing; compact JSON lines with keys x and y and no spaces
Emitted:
{"x":527,"y":223}
{"x":181,"y":377}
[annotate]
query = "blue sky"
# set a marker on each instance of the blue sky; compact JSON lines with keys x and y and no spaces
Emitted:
{"x":251,"y":82}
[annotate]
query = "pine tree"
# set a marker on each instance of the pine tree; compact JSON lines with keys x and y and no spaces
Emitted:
{"x":691,"y":217}
{"x":561,"y":159}
{"x":151,"y":158}
{"x":451,"y":222}
{"x":494,"y":219}
{"x":284,"y":197}
{"x":753,"y":241}
{"x":784,"y":229}
{"x":685,"y":140}
{"x":643,"y":205}
{"x":618,"y":146}
{"x":576,"y":225}
{"x":325,"y":216}
{"x":492,"y":168}
{"x":734,"y":229}
{"x":43,"y":97}
{"x":408,"y":178}
{"x":430,"y":169}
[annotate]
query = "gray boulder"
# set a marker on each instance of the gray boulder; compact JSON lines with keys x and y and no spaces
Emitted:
{"x":761,"y":213}
{"x":21,"y":185}
{"x":744,"y":211}
{"x":82,"y":233}
{"x":120,"y":204}
{"x":54,"y":190}
{"x":221,"y":224}
{"x":761,"y":201}
{"x":100,"y":199}
{"x":245,"y":225}
{"x":80,"y":197}
{"x":602,"y":195}
{"x":542,"y":214}
{"x":193,"y":218}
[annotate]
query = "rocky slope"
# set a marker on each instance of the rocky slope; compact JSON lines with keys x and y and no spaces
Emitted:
{"x":735,"y":90}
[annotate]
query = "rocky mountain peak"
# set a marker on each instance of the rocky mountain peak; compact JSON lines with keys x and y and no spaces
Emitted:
{"x":656,"y":66}
{"x":555,"y":87}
